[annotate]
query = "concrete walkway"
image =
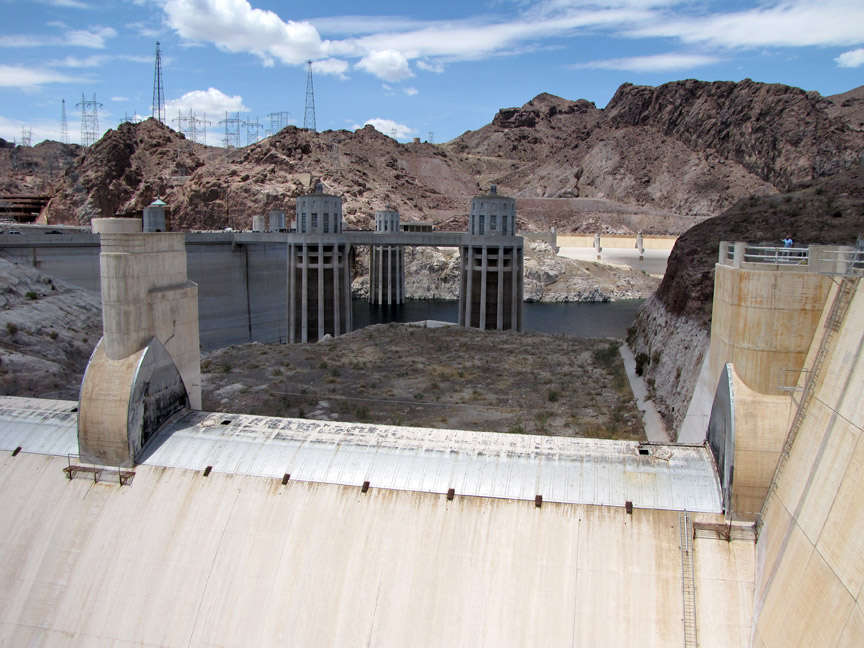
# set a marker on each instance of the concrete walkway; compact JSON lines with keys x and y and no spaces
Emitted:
{"x":655,"y":429}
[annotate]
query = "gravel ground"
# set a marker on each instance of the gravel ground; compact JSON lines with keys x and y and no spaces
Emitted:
{"x":448,"y":377}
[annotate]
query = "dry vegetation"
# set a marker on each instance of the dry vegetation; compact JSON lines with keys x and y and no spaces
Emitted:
{"x":447,"y":377}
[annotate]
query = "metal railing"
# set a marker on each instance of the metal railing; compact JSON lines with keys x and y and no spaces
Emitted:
{"x":99,"y":473}
{"x":836,"y":260}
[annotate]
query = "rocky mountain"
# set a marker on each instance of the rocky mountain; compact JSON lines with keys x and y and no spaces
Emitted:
{"x":655,"y":159}
{"x":27,"y":170}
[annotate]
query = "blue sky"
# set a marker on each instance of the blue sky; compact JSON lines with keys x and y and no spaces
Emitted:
{"x":410,"y":68}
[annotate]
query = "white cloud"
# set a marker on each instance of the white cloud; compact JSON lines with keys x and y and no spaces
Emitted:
{"x":94,"y":38}
{"x":26,"y":78}
{"x":410,"y":91}
{"x":143,"y":29}
{"x":331,"y":67}
{"x":851,"y":59}
{"x":119,"y":98}
{"x":66,"y":4}
{"x":234,"y":26}
{"x":652,"y":63}
{"x":793,"y":23}
{"x":89,"y":62}
{"x":388,"y":64}
{"x":211,"y":102}
{"x":388,"y":127}
{"x":431,"y":66}
{"x":98,"y":60}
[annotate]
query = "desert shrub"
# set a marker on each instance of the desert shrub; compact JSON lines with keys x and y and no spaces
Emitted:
{"x":31,"y":295}
{"x":553,"y":396}
{"x":12,"y":328}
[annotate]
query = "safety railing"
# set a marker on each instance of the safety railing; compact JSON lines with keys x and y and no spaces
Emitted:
{"x":76,"y":468}
{"x":835,"y":260}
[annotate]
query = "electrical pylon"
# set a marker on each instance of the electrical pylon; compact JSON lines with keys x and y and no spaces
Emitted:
{"x":64,"y":125}
{"x":89,"y":119}
{"x":309,"y":115}
{"x":158,"y":88}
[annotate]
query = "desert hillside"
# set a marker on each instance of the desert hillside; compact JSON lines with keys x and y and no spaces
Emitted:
{"x":655,"y":159}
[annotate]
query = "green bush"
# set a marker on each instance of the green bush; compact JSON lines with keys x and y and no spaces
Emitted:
{"x":12,"y":328}
{"x":31,"y":295}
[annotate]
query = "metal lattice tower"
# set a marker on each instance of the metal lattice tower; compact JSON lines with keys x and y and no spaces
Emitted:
{"x":158,"y":88}
{"x":309,"y":115}
{"x":64,"y":125}
{"x":26,"y":136}
{"x":253,"y":132}
{"x":89,"y":119}
{"x":232,"y":131}
{"x":278,"y":121}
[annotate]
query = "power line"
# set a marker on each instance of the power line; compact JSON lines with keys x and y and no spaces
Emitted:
{"x":309,"y":115}
{"x":158,"y":106}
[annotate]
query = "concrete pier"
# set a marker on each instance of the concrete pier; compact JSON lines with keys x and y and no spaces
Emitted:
{"x":146,"y":367}
{"x":319,"y":271}
{"x":490,"y":295}
{"x":386,"y":264}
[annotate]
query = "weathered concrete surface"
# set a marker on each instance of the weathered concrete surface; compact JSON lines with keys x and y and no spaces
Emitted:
{"x":763,"y":322}
{"x":810,"y":553}
{"x":746,"y":434}
{"x":179,"y":559}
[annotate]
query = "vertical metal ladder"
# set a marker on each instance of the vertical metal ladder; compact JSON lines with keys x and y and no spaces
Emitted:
{"x":688,"y":581}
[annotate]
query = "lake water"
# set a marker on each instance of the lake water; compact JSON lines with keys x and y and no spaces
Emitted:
{"x":580,"y":319}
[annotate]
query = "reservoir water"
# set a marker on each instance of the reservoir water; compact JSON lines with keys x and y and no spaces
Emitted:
{"x":579,"y":319}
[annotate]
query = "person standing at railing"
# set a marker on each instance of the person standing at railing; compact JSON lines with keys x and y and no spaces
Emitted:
{"x":787,"y":247}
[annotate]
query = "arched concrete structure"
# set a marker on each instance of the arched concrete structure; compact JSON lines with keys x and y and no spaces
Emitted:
{"x":147,"y":365}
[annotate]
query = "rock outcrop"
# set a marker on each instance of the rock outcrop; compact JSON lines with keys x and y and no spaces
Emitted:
{"x":674,"y":324}
{"x":48,"y":329}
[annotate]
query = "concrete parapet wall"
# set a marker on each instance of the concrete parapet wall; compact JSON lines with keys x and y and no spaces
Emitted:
{"x":763,"y":322}
{"x":116,"y":225}
{"x":617,"y":241}
{"x":810,"y":552}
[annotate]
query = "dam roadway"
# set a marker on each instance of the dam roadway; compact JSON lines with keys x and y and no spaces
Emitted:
{"x":241,"y":276}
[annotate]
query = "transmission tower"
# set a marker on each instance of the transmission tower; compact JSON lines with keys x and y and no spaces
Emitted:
{"x":232,"y":131}
{"x":278,"y":121}
{"x":64,"y":125}
{"x":431,"y":137}
{"x":253,"y":132}
{"x":89,"y":119}
{"x":158,"y":89}
{"x":26,"y":136}
{"x":309,"y":115}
